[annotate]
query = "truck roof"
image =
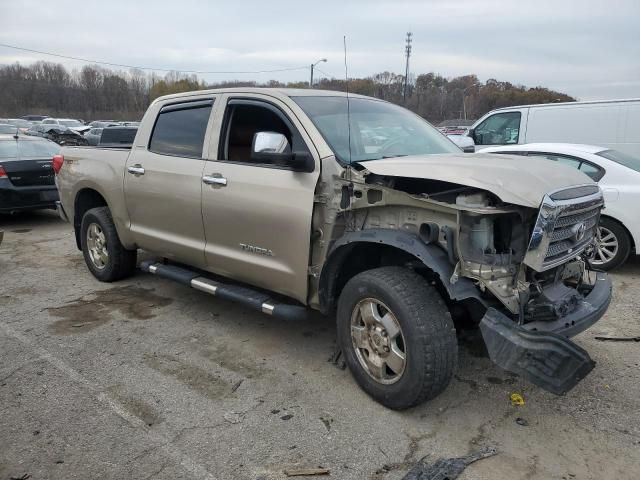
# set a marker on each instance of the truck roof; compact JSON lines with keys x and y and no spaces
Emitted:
{"x":558,"y":104}
{"x":284,"y":92}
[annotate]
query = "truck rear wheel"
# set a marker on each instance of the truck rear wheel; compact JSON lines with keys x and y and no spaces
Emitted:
{"x":103,"y":253}
{"x":397,"y":336}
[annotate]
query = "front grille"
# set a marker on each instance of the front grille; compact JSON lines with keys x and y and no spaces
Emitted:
{"x":574,"y":229}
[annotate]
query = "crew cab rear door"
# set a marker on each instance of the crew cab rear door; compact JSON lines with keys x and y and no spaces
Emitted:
{"x":163,"y":179}
{"x":257,"y":216}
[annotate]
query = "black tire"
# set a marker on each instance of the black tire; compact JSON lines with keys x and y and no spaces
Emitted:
{"x":609,"y":227}
{"x":429,"y":337}
{"x":121,"y":262}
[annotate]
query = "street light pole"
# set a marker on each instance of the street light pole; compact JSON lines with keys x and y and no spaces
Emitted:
{"x":312,"y":67}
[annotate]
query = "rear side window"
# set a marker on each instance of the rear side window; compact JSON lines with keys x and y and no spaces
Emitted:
{"x":35,"y":149}
{"x":622,"y":158}
{"x":8,"y":149}
{"x":180,"y":129}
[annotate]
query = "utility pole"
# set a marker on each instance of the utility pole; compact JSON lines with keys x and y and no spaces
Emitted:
{"x":407,"y":51}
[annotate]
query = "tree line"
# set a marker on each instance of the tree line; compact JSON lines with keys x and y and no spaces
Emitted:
{"x":94,"y":92}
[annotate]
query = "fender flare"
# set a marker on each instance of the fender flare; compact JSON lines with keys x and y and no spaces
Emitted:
{"x":432,"y":256}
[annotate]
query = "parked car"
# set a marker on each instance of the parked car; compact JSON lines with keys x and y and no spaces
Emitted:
{"x":8,"y":129}
{"x":271,"y":190}
{"x":613,"y":124}
{"x":26,"y":174}
{"x":619,"y":177}
{"x":34,"y":118}
{"x":75,"y":125}
{"x":103,"y":123}
{"x":117,"y":136}
{"x":93,"y":136}
{"x":58,"y":133}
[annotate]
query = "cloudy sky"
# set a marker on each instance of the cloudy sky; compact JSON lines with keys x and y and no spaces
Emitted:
{"x":589,"y":49}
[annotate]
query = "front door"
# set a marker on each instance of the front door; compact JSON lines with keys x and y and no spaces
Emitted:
{"x":501,"y":128}
{"x":257,"y":216}
{"x":163,"y":183}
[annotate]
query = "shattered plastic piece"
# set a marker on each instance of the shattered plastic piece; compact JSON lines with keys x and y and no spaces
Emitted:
{"x":234,"y":417}
{"x":446,"y":468}
{"x":517,"y":399}
{"x":618,"y":339}
{"x":338,"y":359}
{"x":300,"y":472}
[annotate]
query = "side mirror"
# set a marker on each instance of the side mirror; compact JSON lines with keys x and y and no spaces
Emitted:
{"x":274,"y":148}
{"x":471,"y":133}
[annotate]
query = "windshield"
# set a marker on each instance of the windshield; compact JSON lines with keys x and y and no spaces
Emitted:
{"x":378,"y":129}
{"x":622,"y":158}
{"x":71,"y":123}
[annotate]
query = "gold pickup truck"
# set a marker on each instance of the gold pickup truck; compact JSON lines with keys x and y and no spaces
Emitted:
{"x":285,"y":200}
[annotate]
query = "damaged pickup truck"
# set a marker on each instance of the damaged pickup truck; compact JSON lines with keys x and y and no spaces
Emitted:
{"x":291,"y":199}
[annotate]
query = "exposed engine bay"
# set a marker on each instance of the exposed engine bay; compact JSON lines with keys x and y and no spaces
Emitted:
{"x":486,"y":240}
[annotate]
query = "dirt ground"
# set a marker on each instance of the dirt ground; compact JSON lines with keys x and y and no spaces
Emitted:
{"x":149,"y":379}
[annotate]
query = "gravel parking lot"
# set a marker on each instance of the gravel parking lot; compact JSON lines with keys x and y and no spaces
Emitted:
{"x":149,"y":379}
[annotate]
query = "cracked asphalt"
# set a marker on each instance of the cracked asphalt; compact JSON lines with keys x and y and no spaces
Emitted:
{"x":146,"y":379}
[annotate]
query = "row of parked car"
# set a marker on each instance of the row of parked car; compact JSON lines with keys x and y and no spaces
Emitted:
{"x":70,"y":131}
{"x":28,"y":145}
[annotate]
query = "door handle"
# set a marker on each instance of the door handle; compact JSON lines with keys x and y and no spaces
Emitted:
{"x":136,"y":169}
{"x":215,"y":179}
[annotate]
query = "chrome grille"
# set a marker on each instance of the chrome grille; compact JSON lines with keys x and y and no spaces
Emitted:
{"x":572,"y":232}
{"x":565,"y":226}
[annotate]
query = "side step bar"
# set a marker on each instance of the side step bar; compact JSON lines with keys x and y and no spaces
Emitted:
{"x":246,"y":296}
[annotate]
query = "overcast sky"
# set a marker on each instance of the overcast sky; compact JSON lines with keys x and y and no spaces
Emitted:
{"x":588,"y":49}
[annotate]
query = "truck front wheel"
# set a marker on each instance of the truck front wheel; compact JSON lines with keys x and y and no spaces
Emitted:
{"x":103,"y":253}
{"x":397,"y":336}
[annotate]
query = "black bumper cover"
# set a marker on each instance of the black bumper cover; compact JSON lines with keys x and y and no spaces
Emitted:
{"x":13,"y":198}
{"x":541,"y":351}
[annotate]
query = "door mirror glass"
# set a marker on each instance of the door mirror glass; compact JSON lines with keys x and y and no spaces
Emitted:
{"x":270,"y":143}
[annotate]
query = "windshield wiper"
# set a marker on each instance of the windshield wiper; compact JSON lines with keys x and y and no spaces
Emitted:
{"x":394,"y":156}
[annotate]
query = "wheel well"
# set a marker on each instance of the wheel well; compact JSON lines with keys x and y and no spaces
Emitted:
{"x":631,"y":239}
{"x":86,"y":199}
{"x":354,"y":258}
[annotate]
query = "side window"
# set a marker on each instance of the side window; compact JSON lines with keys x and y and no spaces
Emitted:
{"x":593,"y":171}
{"x":243,"y":119}
{"x":498,"y":129}
{"x":180,"y":129}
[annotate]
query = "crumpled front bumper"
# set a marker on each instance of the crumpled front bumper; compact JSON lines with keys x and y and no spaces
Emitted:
{"x":541,"y":352}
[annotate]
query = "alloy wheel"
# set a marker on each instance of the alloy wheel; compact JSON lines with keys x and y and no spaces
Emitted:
{"x":97,"y":246}
{"x":378,"y":341}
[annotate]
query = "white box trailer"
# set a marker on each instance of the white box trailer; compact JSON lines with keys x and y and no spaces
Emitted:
{"x":612,"y":124}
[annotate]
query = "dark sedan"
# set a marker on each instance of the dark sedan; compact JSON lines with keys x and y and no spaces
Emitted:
{"x":26,"y":175}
